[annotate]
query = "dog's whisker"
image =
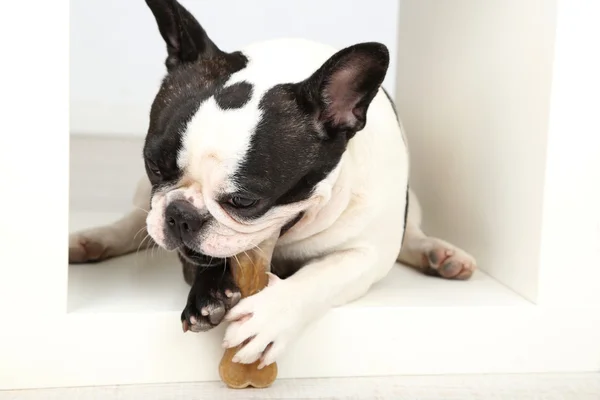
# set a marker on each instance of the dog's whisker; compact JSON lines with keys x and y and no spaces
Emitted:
{"x":250,"y":258}
{"x":138,"y":232}
{"x":261,"y":250}
{"x":224,"y":270}
{"x":154,"y":246}
{"x":172,"y":250}
{"x":265,"y":255}
{"x":239,"y":265}
{"x":137,"y":250}
{"x":142,"y":242}
{"x":255,"y":246}
{"x":202,"y":268}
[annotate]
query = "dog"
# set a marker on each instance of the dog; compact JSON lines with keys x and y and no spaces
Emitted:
{"x":286,"y":139}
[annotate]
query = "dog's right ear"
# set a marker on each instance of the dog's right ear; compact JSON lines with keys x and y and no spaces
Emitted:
{"x":342,"y":89}
{"x":186,"y":40}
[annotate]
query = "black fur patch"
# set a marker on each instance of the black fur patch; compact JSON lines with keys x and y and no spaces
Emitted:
{"x":306,"y":126}
{"x":234,"y":96}
{"x":287,"y":157}
{"x":182,"y":92}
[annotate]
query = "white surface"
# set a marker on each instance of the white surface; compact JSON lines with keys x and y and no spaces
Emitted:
{"x":83,"y":349}
{"x":467,"y":387}
{"x":117,"y":55}
{"x":570,"y":254}
{"x":473,"y":92}
{"x":152,"y":281}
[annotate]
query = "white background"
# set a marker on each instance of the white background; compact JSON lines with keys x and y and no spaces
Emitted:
{"x":117,"y":54}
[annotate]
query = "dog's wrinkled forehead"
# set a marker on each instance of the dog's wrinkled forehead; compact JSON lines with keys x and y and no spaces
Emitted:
{"x":178,"y":100}
{"x":217,"y":137}
{"x":253,"y":139}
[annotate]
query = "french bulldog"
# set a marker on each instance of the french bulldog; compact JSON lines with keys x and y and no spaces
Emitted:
{"x":286,"y":138}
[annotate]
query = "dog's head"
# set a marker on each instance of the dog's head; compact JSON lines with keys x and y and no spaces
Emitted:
{"x":233,"y":161}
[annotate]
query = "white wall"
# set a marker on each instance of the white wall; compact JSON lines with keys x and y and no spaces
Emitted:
{"x":570,"y":257}
{"x":117,"y":54}
{"x":473,"y":91}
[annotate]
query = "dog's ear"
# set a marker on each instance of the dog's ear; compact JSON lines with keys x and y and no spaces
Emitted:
{"x":340,"y":92}
{"x":186,"y":40}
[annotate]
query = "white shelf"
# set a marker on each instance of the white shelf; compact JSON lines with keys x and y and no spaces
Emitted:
{"x":123,"y":328}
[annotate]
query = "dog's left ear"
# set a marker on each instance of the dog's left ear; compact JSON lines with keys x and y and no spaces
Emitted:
{"x":185,"y":38}
{"x":341,"y":91}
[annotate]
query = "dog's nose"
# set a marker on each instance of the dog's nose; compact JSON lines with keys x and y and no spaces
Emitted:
{"x":183,"y":220}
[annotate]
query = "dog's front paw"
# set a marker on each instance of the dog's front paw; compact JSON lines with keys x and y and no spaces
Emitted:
{"x":264,"y":324}
{"x":206,"y":309}
{"x":443,"y":259}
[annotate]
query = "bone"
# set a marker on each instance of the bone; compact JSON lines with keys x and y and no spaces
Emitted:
{"x":250,"y":274}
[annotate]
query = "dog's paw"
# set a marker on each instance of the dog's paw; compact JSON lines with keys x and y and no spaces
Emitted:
{"x":87,"y":247}
{"x":443,"y":259}
{"x":264,"y":324}
{"x":206,"y":309}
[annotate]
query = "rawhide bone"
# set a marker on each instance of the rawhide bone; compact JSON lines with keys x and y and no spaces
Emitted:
{"x":250,"y":274}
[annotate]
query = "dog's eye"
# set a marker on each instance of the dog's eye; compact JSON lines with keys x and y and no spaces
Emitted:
{"x":242,"y":202}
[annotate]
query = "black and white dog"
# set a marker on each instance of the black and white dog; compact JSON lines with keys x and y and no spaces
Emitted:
{"x":289,"y":139}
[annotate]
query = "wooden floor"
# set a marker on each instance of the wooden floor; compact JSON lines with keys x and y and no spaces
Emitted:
{"x":464,"y":387}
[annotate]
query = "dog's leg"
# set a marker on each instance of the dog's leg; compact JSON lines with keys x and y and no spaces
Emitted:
{"x":269,"y":320}
{"x":431,"y":255}
{"x":126,"y":235}
{"x":213,"y":292}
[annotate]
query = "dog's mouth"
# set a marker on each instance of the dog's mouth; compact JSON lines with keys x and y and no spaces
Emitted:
{"x":198,"y":258}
